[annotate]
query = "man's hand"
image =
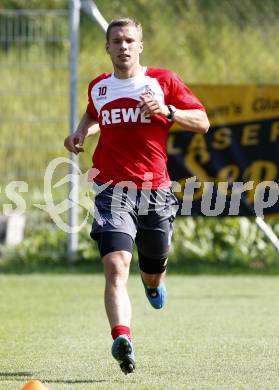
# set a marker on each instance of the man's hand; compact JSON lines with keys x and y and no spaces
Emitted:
{"x":74,"y":142}
{"x":150,"y":106}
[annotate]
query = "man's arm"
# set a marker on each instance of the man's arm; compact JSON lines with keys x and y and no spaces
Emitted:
{"x":87,"y":126}
{"x":191,"y":120}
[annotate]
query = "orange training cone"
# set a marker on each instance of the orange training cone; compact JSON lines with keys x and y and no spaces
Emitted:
{"x":34,"y":384}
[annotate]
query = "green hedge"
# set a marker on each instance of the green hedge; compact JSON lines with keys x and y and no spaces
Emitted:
{"x":198,"y":244}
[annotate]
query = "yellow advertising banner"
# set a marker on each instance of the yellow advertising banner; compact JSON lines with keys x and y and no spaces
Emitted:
{"x":242,"y":144}
{"x":231,"y":104}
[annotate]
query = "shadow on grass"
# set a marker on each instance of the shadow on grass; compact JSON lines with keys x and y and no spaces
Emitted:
{"x":16,"y":376}
{"x":23,"y":375}
{"x":74,"y":381}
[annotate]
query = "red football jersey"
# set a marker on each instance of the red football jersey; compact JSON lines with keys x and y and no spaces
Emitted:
{"x":133,"y":147}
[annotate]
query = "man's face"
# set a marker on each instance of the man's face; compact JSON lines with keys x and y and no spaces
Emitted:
{"x":124,"y":47}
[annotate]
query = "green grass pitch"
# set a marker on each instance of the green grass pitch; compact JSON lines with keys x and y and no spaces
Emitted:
{"x":216,"y":332}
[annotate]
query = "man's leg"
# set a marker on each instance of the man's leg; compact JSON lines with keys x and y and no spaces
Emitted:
{"x":118,"y":307}
{"x":153,"y":280}
{"x":153,"y":242}
{"x":153,"y":273}
{"x":114,"y":232}
{"x":154,"y":236}
{"x":116,"y":251}
{"x":117,"y":302}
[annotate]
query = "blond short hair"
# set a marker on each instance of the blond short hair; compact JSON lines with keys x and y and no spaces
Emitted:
{"x":124,"y":22}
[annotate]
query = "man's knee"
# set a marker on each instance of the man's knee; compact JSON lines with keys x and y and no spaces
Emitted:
{"x":116,"y":266}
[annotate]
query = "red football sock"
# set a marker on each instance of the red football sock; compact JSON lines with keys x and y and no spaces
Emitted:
{"x":119,"y":330}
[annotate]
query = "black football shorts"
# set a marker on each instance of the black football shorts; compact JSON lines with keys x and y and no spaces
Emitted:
{"x":146,"y":216}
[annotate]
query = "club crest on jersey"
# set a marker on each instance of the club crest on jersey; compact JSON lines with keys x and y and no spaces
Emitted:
{"x":149,"y":91}
{"x":123,"y":115}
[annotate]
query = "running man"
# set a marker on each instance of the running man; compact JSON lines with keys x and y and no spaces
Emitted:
{"x":134,"y":107}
